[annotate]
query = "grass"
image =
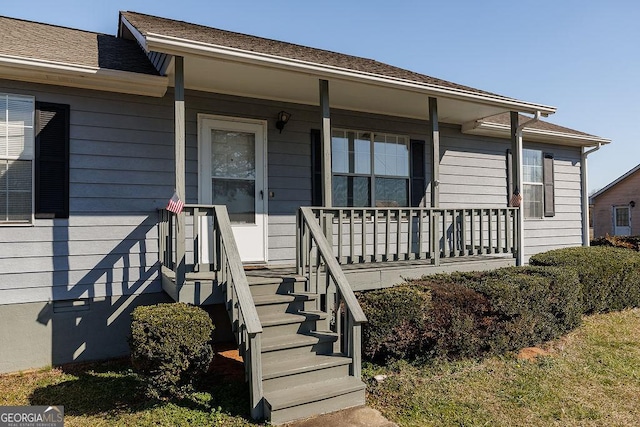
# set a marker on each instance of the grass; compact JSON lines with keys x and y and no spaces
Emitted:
{"x":590,"y":378}
{"x":110,"y":394}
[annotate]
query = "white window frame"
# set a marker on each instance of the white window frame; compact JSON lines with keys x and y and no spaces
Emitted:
{"x":372,"y":175}
{"x":26,"y":155}
{"x":527,"y":214}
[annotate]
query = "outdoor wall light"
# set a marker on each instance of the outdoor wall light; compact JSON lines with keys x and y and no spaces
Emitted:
{"x":632,"y":204}
{"x":283,"y":118}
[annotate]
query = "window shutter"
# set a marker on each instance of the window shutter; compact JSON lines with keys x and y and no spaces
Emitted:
{"x":418,"y":175}
{"x":316,"y":168}
{"x":549,"y":196}
{"x":52,"y":161}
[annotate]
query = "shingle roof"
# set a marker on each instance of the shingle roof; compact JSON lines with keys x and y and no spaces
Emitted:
{"x":505,"y":119}
{"x":27,"y":39}
{"x":614,"y":182}
{"x":147,"y":24}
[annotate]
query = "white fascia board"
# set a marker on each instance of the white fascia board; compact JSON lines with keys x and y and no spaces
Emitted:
{"x":181,"y":47}
{"x":81,"y":76}
{"x":542,"y":135}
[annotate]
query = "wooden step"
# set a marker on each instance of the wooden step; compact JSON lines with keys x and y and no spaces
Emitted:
{"x":296,"y":345}
{"x":287,"y":303}
{"x":274,"y":285}
{"x":313,"y":398}
{"x":291,"y":372}
{"x":278,"y":324}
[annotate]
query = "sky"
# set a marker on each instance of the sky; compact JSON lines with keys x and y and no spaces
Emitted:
{"x":582,"y":57}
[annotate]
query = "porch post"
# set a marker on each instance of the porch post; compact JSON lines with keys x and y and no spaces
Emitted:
{"x":435,"y":159}
{"x":326,"y":143}
{"x":179,"y":123}
{"x":516,"y":150}
{"x":434,"y":218}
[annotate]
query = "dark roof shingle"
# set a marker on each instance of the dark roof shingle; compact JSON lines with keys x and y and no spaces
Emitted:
{"x":505,"y":119}
{"x":146,"y":24}
{"x":33,"y":40}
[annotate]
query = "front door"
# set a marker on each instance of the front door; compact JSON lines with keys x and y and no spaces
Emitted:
{"x":232,"y":172}
{"x":622,"y":220}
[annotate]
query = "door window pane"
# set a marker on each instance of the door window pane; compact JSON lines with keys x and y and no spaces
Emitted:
{"x":622,"y":217}
{"x":239,"y":196}
{"x":233,"y":154}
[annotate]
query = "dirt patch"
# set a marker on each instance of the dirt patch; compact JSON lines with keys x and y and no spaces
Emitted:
{"x":532,"y":353}
{"x":227,"y":362}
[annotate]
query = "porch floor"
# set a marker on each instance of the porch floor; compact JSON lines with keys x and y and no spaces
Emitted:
{"x":375,"y":275}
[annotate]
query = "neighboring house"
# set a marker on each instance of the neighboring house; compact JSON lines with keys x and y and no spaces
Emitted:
{"x":408,"y":174}
{"x":614,"y":206}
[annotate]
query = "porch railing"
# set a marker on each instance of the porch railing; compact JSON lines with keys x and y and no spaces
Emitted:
{"x":209,"y":226}
{"x":363,"y":235}
{"x":324,"y":276}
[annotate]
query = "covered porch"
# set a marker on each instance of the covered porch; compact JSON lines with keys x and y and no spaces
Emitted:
{"x":298,"y":305}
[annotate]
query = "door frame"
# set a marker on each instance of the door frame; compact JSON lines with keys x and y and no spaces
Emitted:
{"x":203,"y":119}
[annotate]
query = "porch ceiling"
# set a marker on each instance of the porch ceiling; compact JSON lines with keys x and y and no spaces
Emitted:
{"x":279,"y":83}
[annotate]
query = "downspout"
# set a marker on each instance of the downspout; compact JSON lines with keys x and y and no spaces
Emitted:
{"x":585,"y":193}
{"x":519,"y":129}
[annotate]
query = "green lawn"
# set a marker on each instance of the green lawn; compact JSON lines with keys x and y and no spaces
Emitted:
{"x":592,"y":377}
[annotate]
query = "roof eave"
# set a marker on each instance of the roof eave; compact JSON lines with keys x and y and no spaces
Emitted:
{"x":80,"y":76}
{"x":613,"y":183}
{"x":540,"y":135}
{"x":182,"y":47}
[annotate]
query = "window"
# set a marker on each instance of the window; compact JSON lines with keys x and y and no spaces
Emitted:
{"x":532,"y":183}
{"x":16,"y":158}
{"x":369,"y":169}
{"x":538,"y":196}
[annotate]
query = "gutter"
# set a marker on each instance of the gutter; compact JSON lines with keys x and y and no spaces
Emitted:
{"x":586,"y":238}
{"x":81,"y":76}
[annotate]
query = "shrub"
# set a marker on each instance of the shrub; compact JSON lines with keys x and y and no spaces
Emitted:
{"x":533,"y":304}
{"x":628,"y":242}
{"x":464,"y":315}
{"x":459,"y":321}
{"x":170,"y":346}
{"x":610,"y":276}
{"x":480,"y":313}
{"x":397,"y":320}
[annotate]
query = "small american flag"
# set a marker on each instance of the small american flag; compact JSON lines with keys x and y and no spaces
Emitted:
{"x":516,"y":199}
{"x":175,"y":204}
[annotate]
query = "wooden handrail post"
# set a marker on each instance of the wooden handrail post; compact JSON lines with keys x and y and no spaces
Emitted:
{"x":257,"y":406}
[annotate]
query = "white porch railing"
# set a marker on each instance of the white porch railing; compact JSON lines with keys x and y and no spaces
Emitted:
{"x":365,"y":235}
{"x":226,"y":268}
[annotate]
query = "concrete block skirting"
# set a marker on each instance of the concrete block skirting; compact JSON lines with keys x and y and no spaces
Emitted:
{"x":34,"y":335}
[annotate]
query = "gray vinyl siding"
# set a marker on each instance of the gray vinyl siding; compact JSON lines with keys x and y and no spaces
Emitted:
{"x":121,"y":171}
{"x":565,"y":227}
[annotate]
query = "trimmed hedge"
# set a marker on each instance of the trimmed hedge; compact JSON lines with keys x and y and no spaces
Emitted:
{"x":470,"y":314}
{"x":397,"y":320}
{"x":610,"y":276}
{"x":170,"y":347}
